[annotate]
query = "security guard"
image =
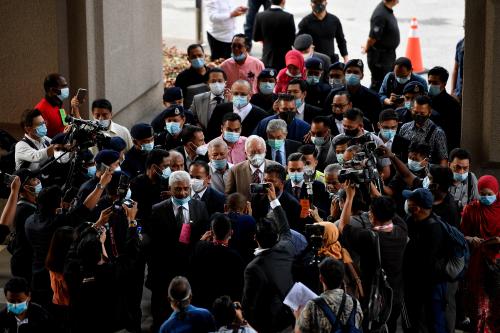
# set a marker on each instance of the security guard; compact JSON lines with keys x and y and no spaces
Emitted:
{"x":382,"y":41}
{"x":317,"y":90}
{"x":135,"y":159}
{"x":410,"y":92}
{"x":171,"y":96}
{"x":173,"y":119}
{"x":266,"y":81}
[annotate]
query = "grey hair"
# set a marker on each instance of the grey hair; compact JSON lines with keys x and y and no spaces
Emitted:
{"x":243,"y":82}
{"x":277,"y":125}
{"x":252,"y":138}
{"x":354,"y":149}
{"x":174,"y":153}
{"x":217,"y":142}
{"x":179,"y":176}
{"x":332,"y":168}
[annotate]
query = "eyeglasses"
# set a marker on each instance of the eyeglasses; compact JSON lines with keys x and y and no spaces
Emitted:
{"x":338,"y":106}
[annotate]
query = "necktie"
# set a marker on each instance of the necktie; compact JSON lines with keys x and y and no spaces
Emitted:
{"x":278,"y":158}
{"x":296,"y":191}
{"x":256,"y":176}
{"x":218,"y":99}
{"x":180,"y":216}
{"x":196,"y":196}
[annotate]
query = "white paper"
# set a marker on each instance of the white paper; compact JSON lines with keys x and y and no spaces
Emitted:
{"x":298,"y":296}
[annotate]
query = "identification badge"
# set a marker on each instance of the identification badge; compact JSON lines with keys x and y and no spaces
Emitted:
{"x":62,"y":113}
{"x":185,"y":235}
{"x":305,"y":206}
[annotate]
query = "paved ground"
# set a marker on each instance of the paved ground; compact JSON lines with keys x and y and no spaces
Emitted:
{"x":440,"y":25}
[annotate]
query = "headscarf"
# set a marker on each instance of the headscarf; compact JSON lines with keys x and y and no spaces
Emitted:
{"x":292,"y":57}
{"x":331,"y":245}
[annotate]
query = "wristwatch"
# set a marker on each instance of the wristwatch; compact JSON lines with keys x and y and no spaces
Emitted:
{"x":132,"y":224}
{"x":100,"y":186}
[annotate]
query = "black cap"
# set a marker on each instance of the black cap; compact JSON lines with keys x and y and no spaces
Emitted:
{"x":302,"y":42}
{"x":116,"y":143}
{"x":59,"y":138}
{"x":87,"y":156}
{"x":107,"y":157}
{"x":314,"y":63}
{"x":173,"y":110}
{"x":172,"y":94}
{"x":355,"y":63}
{"x":268,"y":73}
{"x":421,"y":196}
{"x":414,"y":87}
{"x":337,"y":65}
{"x":141,"y":131}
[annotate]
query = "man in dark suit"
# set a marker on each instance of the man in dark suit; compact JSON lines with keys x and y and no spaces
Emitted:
{"x":317,"y":90}
{"x":250,"y":114}
{"x":297,"y":186}
{"x":321,"y":138}
{"x":340,"y":103}
{"x":268,"y":278}
{"x":388,"y":126}
{"x":276,"y":174}
{"x":278,"y":146}
{"x":200,"y":189}
{"x":305,"y":111}
{"x":193,"y":141}
{"x":174,"y":227}
{"x":275,"y":28}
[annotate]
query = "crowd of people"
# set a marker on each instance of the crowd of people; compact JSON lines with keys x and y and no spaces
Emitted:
{"x":257,"y":175}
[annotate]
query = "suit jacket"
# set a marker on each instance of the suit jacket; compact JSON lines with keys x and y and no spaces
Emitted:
{"x":310,"y":112}
{"x":321,"y":198}
{"x":276,"y":29}
{"x":201,"y":107}
{"x":240,"y":177}
{"x":326,"y":154}
{"x":247,"y":126}
{"x":291,"y":146}
{"x":268,"y":279}
{"x":214,"y":201}
{"x":166,"y":256}
{"x":261,"y":208}
{"x":297,"y":129}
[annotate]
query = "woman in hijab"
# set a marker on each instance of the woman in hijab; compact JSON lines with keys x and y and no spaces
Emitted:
{"x":294,"y":70}
{"x":481,"y":227}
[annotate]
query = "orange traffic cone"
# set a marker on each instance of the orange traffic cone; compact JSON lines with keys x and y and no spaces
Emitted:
{"x":413,"y":50}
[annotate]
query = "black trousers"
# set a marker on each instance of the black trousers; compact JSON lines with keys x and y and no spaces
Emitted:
{"x":380,"y":62}
{"x":218,"y":49}
{"x":253,"y":9}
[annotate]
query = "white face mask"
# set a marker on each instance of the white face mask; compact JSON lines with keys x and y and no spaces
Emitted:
{"x":58,"y":155}
{"x":217,"y":88}
{"x":256,"y":160}
{"x":202,"y":150}
{"x":197,"y":184}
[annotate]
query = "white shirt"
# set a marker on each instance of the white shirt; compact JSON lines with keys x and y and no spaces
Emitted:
{"x":121,"y":131}
{"x":276,"y":7}
{"x":300,"y":112}
{"x":220,"y":23}
{"x":185,"y":210}
{"x":261,"y":168}
{"x":25,"y":153}
{"x":243,"y":112}
{"x":388,"y":144}
{"x":297,"y":185}
{"x":200,"y":194}
{"x":339,"y":126}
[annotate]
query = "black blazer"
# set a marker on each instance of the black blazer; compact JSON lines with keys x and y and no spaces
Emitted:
{"x":268,"y":279}
{"x":214,"y":200}
{"x":321,"y":198}
{"x":276,"y":29}
{"x":310,"y":112}
{"x":247,"y":126}
{"x":166,"y":256}
{"x":291,"y":146}
{"x":367,"y":125}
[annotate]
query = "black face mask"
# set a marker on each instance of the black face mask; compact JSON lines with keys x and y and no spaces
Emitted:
{"x":351,"y":132}
{"x":419,"y":119}
{"x":287,"y":116}
{"x":319,"y":8}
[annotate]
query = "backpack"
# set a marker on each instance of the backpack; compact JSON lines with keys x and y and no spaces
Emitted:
{"x":456,"y":261}
{"x":337,"y":326}
{"x":381,"y":295}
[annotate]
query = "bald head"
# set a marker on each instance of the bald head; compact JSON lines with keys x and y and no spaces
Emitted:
{"x":241,"y":88}
{"x":176,"y":161}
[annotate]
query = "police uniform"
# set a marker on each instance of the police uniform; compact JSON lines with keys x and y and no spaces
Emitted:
{"x":316,"y":93}
{"x":404,"y":114}
{"x":135,"y":159}
{"x":164,"y":139}
{"x":171,"y":95}
{"x":265,"y":102}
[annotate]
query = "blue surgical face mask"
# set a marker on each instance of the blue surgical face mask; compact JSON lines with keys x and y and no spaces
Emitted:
{"x":312,"y":79}
{"x":41,"y":130}
{"x":231,"y":137}
{"x":296,"y":177}
{"x":318,"y":140}
{"x":219,"y":164}
{"x":240,"y":101}
{"x":17,"y":308}
{"x":408,"y":105}
{"x":340,"y":158}
{"x":460,"y":177}
{"x":64,"y":94}
{"x":180,"y":202}
{"x":434,"y":90}
{"x":91,"y":170}
{"x":298,"y":102}
{"x":104,"y":122}
{"x":37,"y":188}
{"x":352,"y":79}
{"x":403,"y":80}
{"x":147,"y":146}
{"x":239,"y":58}
{"x":426,"y":182}
{"x":275,"y":144}
{"x":487,"y":200}
{"x":166,"y":172}
{"x":388,"y":133}
{"x":173,"y":128}
{"x":197,"y":63}
{"x":414,"y":165}
{"x":267,"y":88}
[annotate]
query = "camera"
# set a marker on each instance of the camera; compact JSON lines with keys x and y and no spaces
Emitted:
{"x":314,"y":234}
{"x":122,"y":190}
{"x":86,"y":133}
{"x":256,"y":188}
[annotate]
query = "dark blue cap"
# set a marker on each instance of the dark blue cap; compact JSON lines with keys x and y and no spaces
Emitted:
{"x":337,"y":65}
{"x":355,"y":63}
{"x":173,"y":110}
{"x":314,"y":63}
{"x":172,"y":94}
{"x":87,"y":156}
{"x":268,"y":73}
{"x":115,"y":143}
{"x":107,"y":157}
{"x":421,"y":196}
{"x":414,"y":87}
{"x":59,"y":138}
{"x":141,"y":131}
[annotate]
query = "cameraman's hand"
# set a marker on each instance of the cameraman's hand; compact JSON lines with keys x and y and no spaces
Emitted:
{"x":102,"y":236}
{"x":335,"y":208}
{"x":350,"y":189}
{"x":106,"y":177}
{"x":75,"y":103}
{"x":384,"y":152}
{"x":315,"y":215}
{"x":130,"y":212}
{"x":271,"y":192}
{"x":104,"y":217}
{"x":15,"y":185}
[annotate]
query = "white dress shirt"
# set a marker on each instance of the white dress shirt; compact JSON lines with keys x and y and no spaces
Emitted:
{"x":338,"y":123}
{"x":243,"y":112}
{"x":121,"y":131}
{"x":25,"y":153}
{"x":200,"y":194}
{"x":220,"y":23}
{"x":185,"y":210}
{"x":300,"y":112}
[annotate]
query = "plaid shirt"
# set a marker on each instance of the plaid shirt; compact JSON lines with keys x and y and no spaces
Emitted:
{"x":312,"y":318}
{"x":437,"y":142}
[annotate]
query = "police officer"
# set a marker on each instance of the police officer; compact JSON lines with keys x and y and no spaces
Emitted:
{"x":382,"y":41}
{"x":173,"y":119}
{"x":171,"y":96}
{"x":135,"y":159}
{"x":317,"y":90}
{"x":265,"y":97}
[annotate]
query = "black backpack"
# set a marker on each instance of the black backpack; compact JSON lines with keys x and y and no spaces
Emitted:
{"x":381,"y":295}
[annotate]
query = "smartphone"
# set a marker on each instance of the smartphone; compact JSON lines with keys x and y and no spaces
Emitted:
{"x":81,"y":94}
{"x":399,"y":99}
{"x":7,"y":179}
{"x":256,"y":188}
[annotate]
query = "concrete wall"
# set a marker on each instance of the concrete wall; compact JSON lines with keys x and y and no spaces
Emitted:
{"x":111,"y":47}
{"x":481,"y":116}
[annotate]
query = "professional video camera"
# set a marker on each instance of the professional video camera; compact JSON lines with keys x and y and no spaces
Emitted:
{"x":314,"y":234}
{"x":85,"y":133}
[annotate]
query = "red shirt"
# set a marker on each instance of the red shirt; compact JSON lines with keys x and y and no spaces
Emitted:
{"x":52,"y":117}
